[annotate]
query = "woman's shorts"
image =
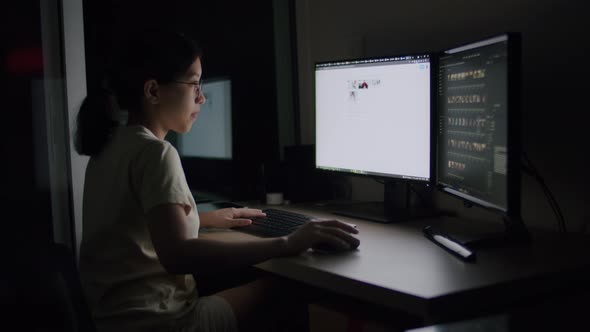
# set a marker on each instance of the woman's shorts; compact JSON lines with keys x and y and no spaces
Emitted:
{"x":212,"y":314}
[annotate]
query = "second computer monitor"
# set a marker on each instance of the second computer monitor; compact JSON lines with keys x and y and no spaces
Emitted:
{"x":478,"y":136}
{"x":373,"y":116}
{"x":211,"y":135}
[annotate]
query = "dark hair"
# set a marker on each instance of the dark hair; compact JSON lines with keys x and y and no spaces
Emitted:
{"x":154,"y":54}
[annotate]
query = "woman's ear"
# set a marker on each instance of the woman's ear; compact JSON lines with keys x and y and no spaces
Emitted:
{"x":151,"y":91}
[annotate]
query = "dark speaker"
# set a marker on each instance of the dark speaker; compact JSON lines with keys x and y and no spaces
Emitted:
{"x":304,"y":182}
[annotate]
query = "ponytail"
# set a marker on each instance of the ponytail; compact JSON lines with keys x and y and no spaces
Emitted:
{"x":95,"y":124}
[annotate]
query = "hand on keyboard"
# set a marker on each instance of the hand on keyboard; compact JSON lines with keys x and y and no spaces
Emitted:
{"x":277,"y":222}
{"x":230,"y":217}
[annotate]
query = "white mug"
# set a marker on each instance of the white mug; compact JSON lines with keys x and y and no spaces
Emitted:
{"x":274,"y":198}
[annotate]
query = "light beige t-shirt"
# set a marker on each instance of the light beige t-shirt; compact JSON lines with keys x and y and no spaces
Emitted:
{"x":125,"y":284}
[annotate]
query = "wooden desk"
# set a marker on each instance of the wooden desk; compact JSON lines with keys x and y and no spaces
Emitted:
{"x":396,"y":267}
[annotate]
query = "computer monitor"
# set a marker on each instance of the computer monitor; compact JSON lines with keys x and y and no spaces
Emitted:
{"x":478,"y":139}
{"x":206,"y":150}
{"x":211,"y":134}
{"x":373,"y":118}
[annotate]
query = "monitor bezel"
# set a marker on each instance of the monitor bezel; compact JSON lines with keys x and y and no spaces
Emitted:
{"x":432,"y":56}
{"x":514,"y":114}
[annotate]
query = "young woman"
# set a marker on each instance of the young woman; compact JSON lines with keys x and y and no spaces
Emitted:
{"x":141,"y":241}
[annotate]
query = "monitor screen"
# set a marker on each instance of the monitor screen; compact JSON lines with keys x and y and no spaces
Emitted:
{"x":373,"y":116}
{"x":474,"y":115}
{"x":211,"y":134}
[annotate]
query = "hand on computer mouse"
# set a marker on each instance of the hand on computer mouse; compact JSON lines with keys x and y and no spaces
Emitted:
{"x":332,"y":234}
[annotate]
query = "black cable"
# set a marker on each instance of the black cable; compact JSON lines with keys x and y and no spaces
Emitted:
{"x":533,"y":172}
{"x":551,"y":200}
{"x":548,"y":193}
{"x":530,"y":169}
{"x":557,"y":209}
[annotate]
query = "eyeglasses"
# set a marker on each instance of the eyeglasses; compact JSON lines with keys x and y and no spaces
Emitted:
{"x":197,"y":85}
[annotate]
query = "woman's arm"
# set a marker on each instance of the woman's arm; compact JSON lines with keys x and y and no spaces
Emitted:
{"x":229,"y":217}
{"x":181,"y":253}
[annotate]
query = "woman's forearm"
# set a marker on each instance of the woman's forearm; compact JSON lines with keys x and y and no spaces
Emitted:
{"x":205,"y":219}
{"x":213,"y":255}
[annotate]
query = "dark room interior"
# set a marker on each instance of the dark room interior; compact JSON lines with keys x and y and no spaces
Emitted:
{"x":54,"y":51}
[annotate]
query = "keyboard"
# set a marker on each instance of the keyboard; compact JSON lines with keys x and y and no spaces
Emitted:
{"x":277,"y":223}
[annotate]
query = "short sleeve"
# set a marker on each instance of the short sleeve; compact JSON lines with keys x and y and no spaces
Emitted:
{"x":159,"y":178}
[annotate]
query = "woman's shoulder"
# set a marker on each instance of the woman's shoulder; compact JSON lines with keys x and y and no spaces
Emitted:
{"x":138,"y":145}
{"x":141,"y":137}
{"x":150,"y":147}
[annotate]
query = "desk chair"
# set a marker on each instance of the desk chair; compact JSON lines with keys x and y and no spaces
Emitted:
{"x":68,"y":290}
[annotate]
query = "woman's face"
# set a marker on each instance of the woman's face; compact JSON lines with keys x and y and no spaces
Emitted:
{"x":181,"y":102}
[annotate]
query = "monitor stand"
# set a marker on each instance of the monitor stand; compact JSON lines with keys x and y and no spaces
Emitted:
{"x":396,"y":207}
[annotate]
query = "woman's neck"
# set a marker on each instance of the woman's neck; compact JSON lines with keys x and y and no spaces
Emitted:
{"x":156,"y":129}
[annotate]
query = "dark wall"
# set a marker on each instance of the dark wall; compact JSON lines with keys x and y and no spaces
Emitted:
{"x":24,"y":196}
{"x":237,"y":38}
{"x":26,"y":227}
